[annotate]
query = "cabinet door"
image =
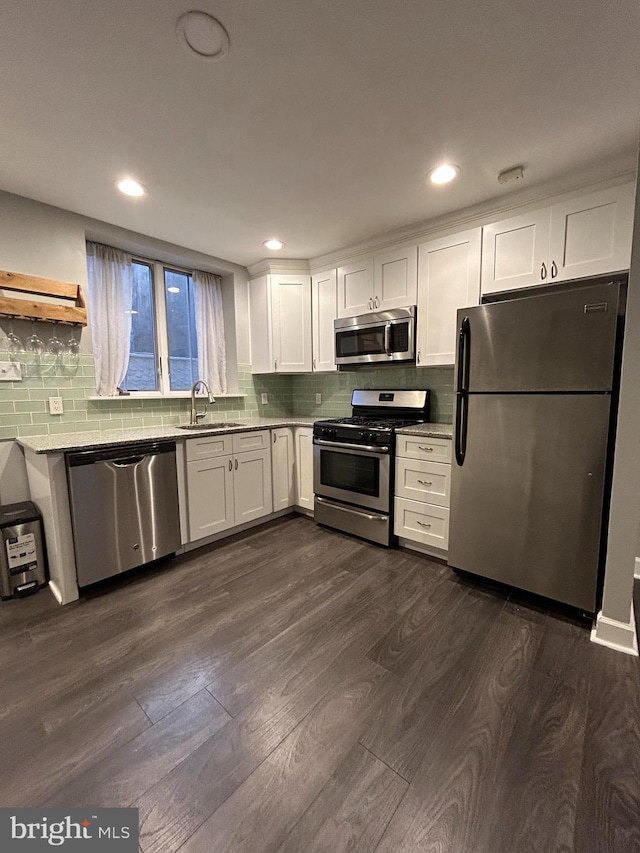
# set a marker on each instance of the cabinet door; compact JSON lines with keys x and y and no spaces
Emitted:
{"x":515,"y":252}
{"x":323,"y":313}
{"x":262,"y":359}
{"x":210,"y":496}
{"x":355,"y":289}
{"x":304,"y":468}
{"x":395,"y":278}
{"x":283,"y":468}
{"x":420,"y":522}
{"x":252,"y":485}
{"x":291,"y":323}
{"x":449,"y":278}
{"x":592,"y":234}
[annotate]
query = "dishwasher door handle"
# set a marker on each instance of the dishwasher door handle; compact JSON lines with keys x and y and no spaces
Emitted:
{"x":126,"y":463}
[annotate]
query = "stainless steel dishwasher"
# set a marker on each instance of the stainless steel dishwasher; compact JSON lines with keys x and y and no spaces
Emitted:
{"x":124,"y":507}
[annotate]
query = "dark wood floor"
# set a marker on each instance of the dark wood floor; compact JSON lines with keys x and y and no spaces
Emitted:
{"x":297,"y":690}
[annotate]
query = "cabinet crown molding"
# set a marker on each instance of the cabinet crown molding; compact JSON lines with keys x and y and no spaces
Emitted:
{"x":279,"y":266}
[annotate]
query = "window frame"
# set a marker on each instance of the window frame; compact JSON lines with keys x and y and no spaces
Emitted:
{"x":161,"y":332}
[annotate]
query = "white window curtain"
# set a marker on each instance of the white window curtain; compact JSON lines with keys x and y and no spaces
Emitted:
{"x":110,"y":300}
{"x":212,"y":362}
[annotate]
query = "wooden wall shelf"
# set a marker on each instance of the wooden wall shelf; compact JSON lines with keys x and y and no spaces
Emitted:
{"x":25,"y":309}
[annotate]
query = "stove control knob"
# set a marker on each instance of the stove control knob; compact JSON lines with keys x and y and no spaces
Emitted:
{"x":330,"y":432}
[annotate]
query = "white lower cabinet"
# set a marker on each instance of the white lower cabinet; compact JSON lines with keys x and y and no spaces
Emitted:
{"x":283,"y":468}
{"x":422,"y":492}
{"x":304,"y":467}
{"x":224,"y":491}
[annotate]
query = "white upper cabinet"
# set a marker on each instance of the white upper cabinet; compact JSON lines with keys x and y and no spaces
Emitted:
{"x":515,"y":252}
{"x":323,"y":312}
{"x":584,"y":236}
{"x":280,"y":314}
{"x":386,"y":281}
{"x":355,"y":289}
{"x":395,"y":278}
{"x":592,"y":234}
{"x":448,"y":279}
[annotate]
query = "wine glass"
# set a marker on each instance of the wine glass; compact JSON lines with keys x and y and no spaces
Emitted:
{"x":34,"y":344}
{"x":55,"y":345}
{"x":14,"y":344}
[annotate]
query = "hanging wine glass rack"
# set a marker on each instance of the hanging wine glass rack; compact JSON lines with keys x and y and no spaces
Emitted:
{"x":25,"y":309}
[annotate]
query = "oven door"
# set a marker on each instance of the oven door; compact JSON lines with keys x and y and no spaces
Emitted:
{"x":375,"y":338}
{"x":350,"y":473}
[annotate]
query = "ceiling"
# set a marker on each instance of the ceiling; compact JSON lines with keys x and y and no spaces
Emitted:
{"x":321,"y":124}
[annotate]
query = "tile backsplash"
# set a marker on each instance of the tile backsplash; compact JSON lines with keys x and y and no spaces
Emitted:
{"x":24,"y":410}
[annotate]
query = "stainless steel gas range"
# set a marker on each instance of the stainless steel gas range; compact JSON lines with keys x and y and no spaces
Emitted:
{"x":354,"y":458}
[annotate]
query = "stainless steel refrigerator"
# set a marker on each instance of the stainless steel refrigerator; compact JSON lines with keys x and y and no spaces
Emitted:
{"x":536,"y":394}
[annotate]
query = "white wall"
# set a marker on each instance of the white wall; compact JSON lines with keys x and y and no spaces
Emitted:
{"x":625,"y":496}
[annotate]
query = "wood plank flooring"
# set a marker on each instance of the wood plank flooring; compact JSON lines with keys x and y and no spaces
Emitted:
{"x":296,"y":690}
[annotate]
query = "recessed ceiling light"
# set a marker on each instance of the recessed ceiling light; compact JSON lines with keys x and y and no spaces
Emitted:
{"x":445,"y":173}
{"x":203,"y":35}
{"x":173,"y":289}
{"x":130,"y":187}
{"x":273,"y":244}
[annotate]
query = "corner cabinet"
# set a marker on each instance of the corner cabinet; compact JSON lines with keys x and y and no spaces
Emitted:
{"x":448,"y":279}
{"x":280,"y":323}
{"x":584,"y":236}
{"x":304,"y":468}
{"x":323,"y":312}
{"x":386,"y":281}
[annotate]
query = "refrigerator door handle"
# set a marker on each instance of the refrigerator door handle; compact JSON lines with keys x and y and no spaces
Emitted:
{"x":462,"y":389}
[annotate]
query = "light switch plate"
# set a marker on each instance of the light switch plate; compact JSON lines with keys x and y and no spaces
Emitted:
{"x":264,"y":398}
{"x":55,"y":406}
{"x":10,"y":371}
{"x":318,"y":399}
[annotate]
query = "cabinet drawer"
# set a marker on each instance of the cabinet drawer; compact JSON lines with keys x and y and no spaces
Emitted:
{"x":258,"y":440}
{"x":423,"y":523}
{"x":423,"y":481}
{"x":431,"y":449}
{"x":208,"y":446}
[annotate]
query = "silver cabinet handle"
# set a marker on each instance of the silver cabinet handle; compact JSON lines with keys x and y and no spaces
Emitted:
{"x":426,"y":449}
{"x":554,"y":269}
{"x":236,"y":466}
{"x":424,"y":524}
{"x":543,"y":271}
{"x":230,"y":465}
{"x":376,"y":302}
{"x":425,"y":482}
{"x":314,"y":364}
{"x":274,"y":438}
{"x":275,"y":364}
{"x":418,"y":358}
{"x":370,"y":304}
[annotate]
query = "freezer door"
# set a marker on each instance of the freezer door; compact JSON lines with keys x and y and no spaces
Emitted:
{"x":526,"y":504}
{"x":561,"y":341}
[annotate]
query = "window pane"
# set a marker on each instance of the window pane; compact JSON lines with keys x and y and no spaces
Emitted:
{"x":181,"y":330}
{"x":142,"y":374}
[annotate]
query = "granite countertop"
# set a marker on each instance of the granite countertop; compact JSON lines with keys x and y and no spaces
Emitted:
{"x":89,"y":440}
{"x":428,"y":430}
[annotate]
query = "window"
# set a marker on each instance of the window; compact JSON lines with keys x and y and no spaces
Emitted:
{"x":163,"y":353}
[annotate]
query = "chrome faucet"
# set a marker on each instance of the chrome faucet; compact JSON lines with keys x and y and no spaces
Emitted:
{"x":195,"y":414}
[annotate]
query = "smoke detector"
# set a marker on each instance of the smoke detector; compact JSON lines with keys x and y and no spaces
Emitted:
{"x":516,"y":173}
{"x":203,"y":35}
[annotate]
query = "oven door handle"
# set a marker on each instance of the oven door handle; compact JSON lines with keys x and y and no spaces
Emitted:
{"x":343,"y":445}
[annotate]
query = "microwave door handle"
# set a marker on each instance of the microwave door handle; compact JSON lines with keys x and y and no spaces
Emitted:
{"x":387,"y":338}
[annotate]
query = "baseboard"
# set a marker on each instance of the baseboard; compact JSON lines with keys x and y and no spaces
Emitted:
{"x":636,"y":572}
{"x":409,"y":544}
{"x":620,"y":636}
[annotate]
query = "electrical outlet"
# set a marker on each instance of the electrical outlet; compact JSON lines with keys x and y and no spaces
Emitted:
{"x":264,"y":398}
{"x":55,"y":406}
{"x":318,"y":399}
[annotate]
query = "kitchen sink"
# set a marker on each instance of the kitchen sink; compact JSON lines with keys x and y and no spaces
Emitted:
{"x":212,"y":425}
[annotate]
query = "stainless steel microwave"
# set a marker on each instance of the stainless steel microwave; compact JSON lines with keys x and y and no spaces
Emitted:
{"x":384,"y":336}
